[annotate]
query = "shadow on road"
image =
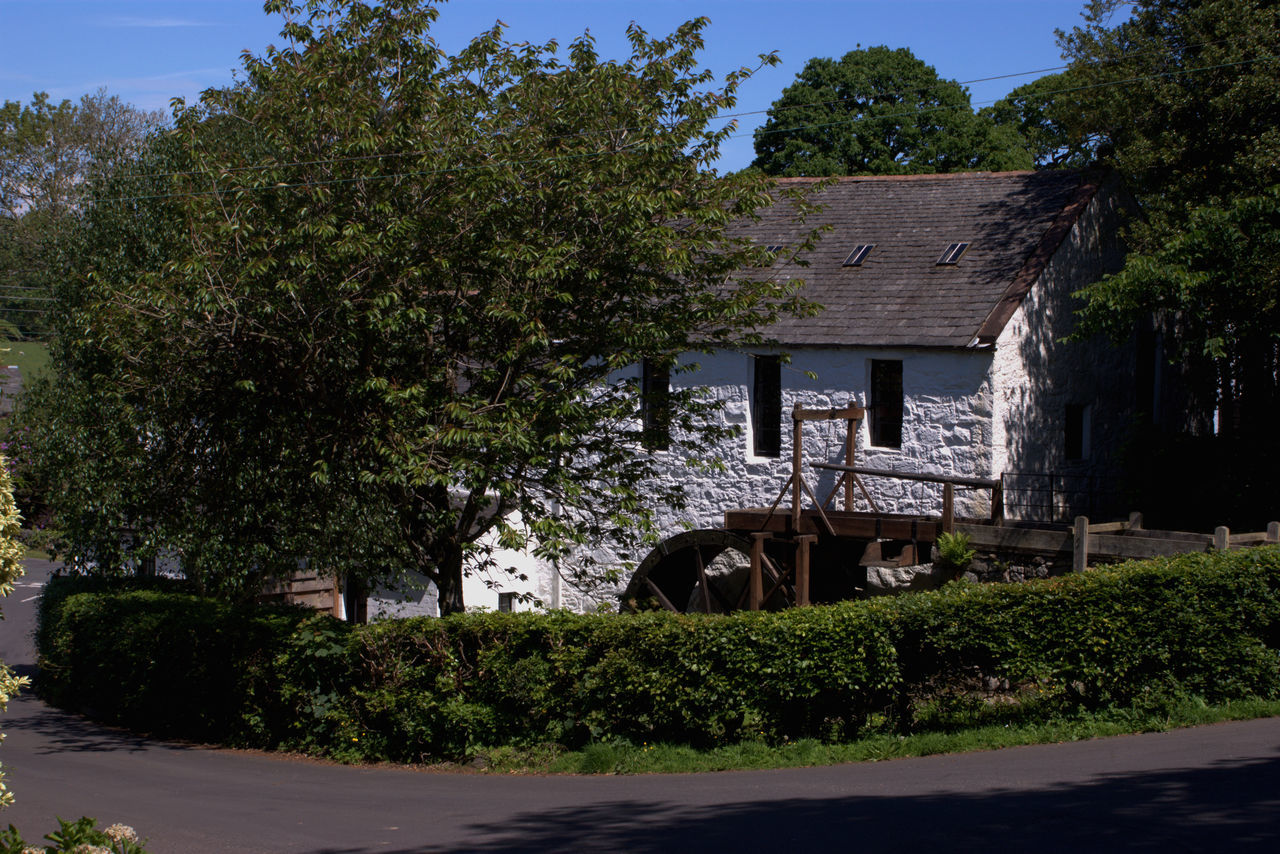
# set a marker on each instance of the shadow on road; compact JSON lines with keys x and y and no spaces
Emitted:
{"x":61,"y":732}
{"x":1233,"y":806}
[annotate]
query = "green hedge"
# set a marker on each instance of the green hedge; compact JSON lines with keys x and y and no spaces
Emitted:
{"x":151,"y":656}
{"x":424,"y":689}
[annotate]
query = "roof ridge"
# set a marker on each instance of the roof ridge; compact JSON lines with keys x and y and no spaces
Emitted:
{"x":940,"y":176}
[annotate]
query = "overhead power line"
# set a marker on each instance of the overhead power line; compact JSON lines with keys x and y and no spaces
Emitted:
{"x":355,"y":158}
{"x":579,"y":155}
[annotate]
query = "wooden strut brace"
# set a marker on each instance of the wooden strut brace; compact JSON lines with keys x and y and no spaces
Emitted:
{"x":852,"y":415}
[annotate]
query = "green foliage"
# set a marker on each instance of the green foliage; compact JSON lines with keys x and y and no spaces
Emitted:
{"x":48,"y":153}
{"x":1043,"y":113}
{"x":1182,"y":98}
{"x":77,"y":837}
{"x":1135,"y":637}
{"x":954,"y":551}
{"x":11,"y":569}
{"x":163,"y":660}
{"x":883,"y":112}
{"x":376,"y":330}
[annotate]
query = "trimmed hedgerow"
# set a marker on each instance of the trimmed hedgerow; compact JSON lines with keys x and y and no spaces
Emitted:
{"x":150,"y":656}
{"x":425,"y":689}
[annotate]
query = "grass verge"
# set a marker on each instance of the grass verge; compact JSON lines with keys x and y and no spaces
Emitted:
{"x":626,"y":758}
{"x":31,"y":357}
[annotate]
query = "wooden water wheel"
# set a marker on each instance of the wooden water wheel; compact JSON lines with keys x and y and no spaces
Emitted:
{"x":707,"y":572}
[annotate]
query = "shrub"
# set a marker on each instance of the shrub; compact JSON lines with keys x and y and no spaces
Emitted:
{"x":954,"y":552}
{"x":163,"y":660}
{"x":426,"y":689}
{"x":74,"y":837}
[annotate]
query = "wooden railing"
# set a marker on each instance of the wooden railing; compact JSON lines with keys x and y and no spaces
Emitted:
{"x":949,"y":484}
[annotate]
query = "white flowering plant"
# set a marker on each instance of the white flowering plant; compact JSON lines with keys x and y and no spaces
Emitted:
{"x":82,"y":836}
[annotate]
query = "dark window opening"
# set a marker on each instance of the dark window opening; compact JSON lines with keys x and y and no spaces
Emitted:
{"x":1075,"y":445}
{"x":766,"y":406}
{"x":886,"y":403}
{"x":655,"y":406}
{"x":506,"y":601}
{"x":858,"y":255}
{"x":953,"y":253}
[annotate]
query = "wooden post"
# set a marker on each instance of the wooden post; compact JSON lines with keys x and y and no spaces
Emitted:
{"x":1080,"y":550}
{"x":1222,"y":538}
{"x":1135,"y":521}
{"x":1273,"y":532}
{"x":755,"y":581}
{"x":948,"y":508}
{"x":797,"y":452}
{"x":802,"y":567}
{"x":850,"y":435}
{"x":997,"y":503}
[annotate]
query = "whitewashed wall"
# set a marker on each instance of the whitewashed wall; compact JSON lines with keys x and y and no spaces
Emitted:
{"x":946,"y":429}
{"x":1037,"y":374}
{"x":419,"y":597}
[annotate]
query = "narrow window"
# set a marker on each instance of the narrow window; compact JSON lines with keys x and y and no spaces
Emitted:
{"x":505,"y":602}
{"x":886,"y":403}
{"x":655,"y":406}
{"x":1076,"y":440}
{"x":766,"y":406}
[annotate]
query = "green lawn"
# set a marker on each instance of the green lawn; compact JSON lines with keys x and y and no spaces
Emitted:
{"x":29,"y":356}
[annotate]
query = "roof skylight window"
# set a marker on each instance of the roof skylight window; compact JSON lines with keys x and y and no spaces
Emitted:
{"x":953,"y":253}
{"x":858,"y":255}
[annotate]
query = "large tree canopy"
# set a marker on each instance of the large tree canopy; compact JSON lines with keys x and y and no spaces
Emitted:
{"x":1045,"y":115}
{"x":48,"y":153}
{"x":884,"y":112}
{"x":1183,"y":98}
{"x":375,"y":302}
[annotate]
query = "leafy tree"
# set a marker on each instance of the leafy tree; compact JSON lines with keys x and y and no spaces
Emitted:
{"x":1042,"y":113}
{"x":373,"y":305}
{"x":48,"y":153}
{"x":880,"y":111}
{"x":1183,"y":98}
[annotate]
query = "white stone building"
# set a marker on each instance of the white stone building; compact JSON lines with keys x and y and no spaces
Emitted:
{"x":946,"y":299}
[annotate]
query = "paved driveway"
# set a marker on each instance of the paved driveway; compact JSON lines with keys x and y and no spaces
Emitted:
{"x":1213,"y":788}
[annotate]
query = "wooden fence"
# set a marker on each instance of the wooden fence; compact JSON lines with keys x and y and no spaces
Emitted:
{"x":306,"y":587}
{"x":1127,"y":540}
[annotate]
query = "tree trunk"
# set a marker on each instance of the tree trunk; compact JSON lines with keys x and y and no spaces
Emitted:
{"x":448,"y":571}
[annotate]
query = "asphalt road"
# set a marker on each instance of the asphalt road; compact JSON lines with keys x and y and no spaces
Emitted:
{"x":1213,"y":788}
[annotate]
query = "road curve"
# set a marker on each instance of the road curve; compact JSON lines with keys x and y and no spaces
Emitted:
{"x":1214,"y":788}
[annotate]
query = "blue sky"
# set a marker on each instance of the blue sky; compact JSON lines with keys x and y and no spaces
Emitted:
{"x":148,"y":52}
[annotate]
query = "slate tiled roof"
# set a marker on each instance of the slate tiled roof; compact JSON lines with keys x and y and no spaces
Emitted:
{"x":900,"y":295}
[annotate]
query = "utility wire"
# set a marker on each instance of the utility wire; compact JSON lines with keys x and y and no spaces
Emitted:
{"x":590,"y":154}
{"x":735,"y":115}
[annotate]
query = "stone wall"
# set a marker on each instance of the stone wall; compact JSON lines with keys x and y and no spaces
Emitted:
{"x":946,"y":430}
{"x":1038,"y":375}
